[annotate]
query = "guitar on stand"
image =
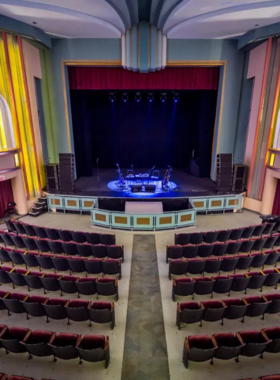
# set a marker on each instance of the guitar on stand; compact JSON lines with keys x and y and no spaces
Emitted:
{"x":166,"y":178}
{"x":121,"y":182}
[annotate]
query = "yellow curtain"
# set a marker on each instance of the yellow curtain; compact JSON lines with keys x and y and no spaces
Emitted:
{"x":12,"y":88}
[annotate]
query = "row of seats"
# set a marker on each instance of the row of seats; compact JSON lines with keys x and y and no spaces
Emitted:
{"x":226,"y":346}
{"x":212,"y":311}
{"x":91,"y":348}
{"x":3,"y":376}
{"x":58,"y":308}
{"x":59,"y":247}
{"x":223,"y":264}
{"x":63,"y":263}
{"x":224,"y":284}
{"x":220,"y":249}
{"x":59,"y":234}
{"x":104,"y":286}
{"x":268,"y":377}
{"x":224,"y":235}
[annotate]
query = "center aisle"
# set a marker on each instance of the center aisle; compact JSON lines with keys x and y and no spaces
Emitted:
{"x":145,"y":353}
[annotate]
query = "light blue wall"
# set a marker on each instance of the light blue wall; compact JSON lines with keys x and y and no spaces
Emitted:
{"x":75,"y":49}
{"x":214,"y":50}
{"x":178,"y":49}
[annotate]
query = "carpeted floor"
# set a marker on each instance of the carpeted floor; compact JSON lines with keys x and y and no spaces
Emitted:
{"x":145,"y":353}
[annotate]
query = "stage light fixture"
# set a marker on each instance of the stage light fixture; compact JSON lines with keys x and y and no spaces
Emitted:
{"x":138,"y":96}
{"x":151,"y":96}
{"x":175,"y":97}
{"x":163,"y":96}
{"x":125,"y":96}
{"x":112,"y":96}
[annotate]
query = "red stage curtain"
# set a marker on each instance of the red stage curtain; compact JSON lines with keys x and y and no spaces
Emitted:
{"x":6,"y":195}
{"x":178,"y":78}
{"x":276,"y":203}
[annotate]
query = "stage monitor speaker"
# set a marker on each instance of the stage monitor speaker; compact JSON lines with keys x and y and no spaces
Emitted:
{"x":52,"y":177}
{"x":150,"y":188}
{"x":239,"y":177}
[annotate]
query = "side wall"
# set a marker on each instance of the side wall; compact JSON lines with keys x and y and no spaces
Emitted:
{"x":75,"y":49}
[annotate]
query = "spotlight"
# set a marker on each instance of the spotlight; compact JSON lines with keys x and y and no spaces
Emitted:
{"x":175,"y":97}
{"x":125,"y":96}
{"x":112,"y":96}
{"x":151,"y":96}
{"x":138,"y":96}
{"x":163,"y":96}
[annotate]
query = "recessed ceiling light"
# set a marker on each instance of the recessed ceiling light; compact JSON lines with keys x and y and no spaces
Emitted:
{"x":256,"y":24}
{"x":34,"y":22}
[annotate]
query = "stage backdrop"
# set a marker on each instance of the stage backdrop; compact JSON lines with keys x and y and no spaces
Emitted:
{"x":142,"y":133}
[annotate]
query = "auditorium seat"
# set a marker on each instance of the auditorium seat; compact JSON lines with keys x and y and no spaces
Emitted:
{"x":240,"y":282}
{"x":268,"y":228}
{"x":77,"y":264}
{"x":219,"y":249}
{"x":65,"y":235}
{"x":259,"y":260}
{"x":70,"y":248}
{"x":182,"y":239}
{"x":115,"y":252}
{"x":78,"y":236}
{"x":92,"y":238}
{"x":177,"y":268}
{"x":274,"y":299}
{"x":11,"y":339}
{"x":255,"y":343}
{"x":273,"y":277}
{"x":244,"y":261}
{"x":36,"y":343}
{"x":182,"y":287}
{"x":189,"y":312}
{"x":248,"y":232}
{"x":235,"y":308}
{"x":246,"y":245}
{"x":223,"y":235}
{"x":67,"y":284}
{"x":86,"y":286}
{"x":212,"y":265}
{"x":16,"y":256}
{"x":94,"y":348}
{"x":271,"y":240}
{"x":257,"y":280}
{"x":6,"y":238}
{"x":229,"y":263}
{"x":259,"y":243}
{"x":42,"y":245}
{"x":56,"y":246}
{"x":273,"y":335}
{"x":107,"y":287}
{"x":222,"y":284}
{"x":76,"y":310}
{"x":29,"y":243}
{"x":33,"y":281}
{"x":33,"y":305}
{"x":19,"y":227}
{"x":190,"y":251}
{"x":210,"y":237}
{"x":50,"y":282}
{"x":258,"y":230}
{"x":29,"y":230}
{"x":13,"y":304}
{"x":4,"y":274}
{"x":174,"y":252}
{"x":102,"y":312}
{"x":63,"y":346}
{"x":257,"y":306}
{"x":112,"y":267}
{"x":60,"y":263}
{"x":40,"y":231}
{"x":196,"y":237}
{"x":271,"y":257}
{"x":199,"y":348}
{"x":4,"y":256}
{"x":233,"y":247}
{"x":229,"y":346}
{"x":54,"y":308}
{"x":107,"y":239}
{"x":203,"y":286}
{"x":205,"y":250}
{"x":99,"y":251}
{"x":45,"y":261}
{"x":52,"y":233}
{"x":30,"y":259}
{"x":83,"y":249}
{"x":213,"y":311}
{"x":17,"y":276}
{"x":236,"y":234}
{"x":17,"y":240}
{"x":93,"y":266}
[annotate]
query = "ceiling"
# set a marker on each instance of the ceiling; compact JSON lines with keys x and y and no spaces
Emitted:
{"x":110,"y":18}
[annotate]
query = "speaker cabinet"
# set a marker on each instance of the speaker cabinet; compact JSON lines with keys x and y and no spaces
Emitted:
{"x":239,"y":178}
{"x":66,"y":172}
{"x":52,"y":177}
{"x":224,"y":168}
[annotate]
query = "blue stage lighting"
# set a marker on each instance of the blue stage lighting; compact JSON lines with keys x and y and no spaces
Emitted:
{"x":138,"y":96}
{"x":112,"y":96}
{"x":151,"y":96}
{"x":175,"y":96}
{"x":163,"y":96}
{"x":125,"y":96}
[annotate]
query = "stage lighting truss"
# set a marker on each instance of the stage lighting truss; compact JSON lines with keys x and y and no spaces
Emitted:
{"x":125,"y":96}
{"x":138,"y":96}
{"x":112,"y":96}
{"x":175,"y":96}
{"x":163,"y":96}
{"x":151,"y":96}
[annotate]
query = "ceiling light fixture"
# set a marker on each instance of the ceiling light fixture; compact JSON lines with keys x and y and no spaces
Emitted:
{"x":138,"y":96}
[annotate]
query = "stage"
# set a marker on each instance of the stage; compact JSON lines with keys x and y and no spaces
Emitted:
{"x":183,"y":184}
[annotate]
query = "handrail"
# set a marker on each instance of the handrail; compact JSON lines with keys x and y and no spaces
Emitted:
{"x":4,"y":171}
{"x":10,"y":151}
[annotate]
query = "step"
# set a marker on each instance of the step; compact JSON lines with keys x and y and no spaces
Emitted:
{"x":42,"y":199}
{"x":40,"y":204}
{"x":34,"y":214}
{"x":38,"y":209}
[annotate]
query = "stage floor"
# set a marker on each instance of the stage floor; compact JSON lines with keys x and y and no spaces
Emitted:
{"x":187,"y":184}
